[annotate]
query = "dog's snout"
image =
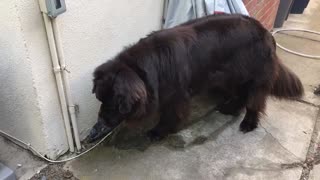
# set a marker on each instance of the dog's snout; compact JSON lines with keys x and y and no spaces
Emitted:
{"x":99,"y":130}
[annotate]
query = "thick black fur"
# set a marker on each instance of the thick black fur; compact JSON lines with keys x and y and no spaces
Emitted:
{"x":161,"y":72}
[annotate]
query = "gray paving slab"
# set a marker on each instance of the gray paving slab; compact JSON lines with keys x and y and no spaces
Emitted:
{"x":291,"y":123}
{"x":315,"y":173}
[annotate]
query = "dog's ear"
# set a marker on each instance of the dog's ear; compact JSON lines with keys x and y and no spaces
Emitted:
{"x":130,"y":90}
{"x":124,"y":106}
{"x":102,"y":81}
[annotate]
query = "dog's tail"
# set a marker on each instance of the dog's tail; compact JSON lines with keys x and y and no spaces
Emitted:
{"x":287,"y":84}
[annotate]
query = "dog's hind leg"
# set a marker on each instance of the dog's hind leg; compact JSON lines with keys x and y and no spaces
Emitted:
{"x":255,"y":107}
{"x":238,"y":101}
{"x":233,"y":106}
{"x":235,"y":96}
{"x":172,"y":114}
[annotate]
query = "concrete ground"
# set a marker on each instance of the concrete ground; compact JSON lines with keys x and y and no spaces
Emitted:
{"x":22,"y":162}
{"x":284,"y":146}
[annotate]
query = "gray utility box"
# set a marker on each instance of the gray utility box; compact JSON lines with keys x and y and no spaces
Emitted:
{"x":6,"y":173}
{"x":53,"y":8}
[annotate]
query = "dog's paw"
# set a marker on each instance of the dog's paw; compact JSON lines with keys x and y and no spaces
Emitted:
{"x":247,"y":127}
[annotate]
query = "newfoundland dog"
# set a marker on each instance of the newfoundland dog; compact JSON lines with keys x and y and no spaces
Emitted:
{"x":161,"y":72}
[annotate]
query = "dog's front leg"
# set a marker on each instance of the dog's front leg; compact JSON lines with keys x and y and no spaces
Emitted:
{"x":172,"y":114}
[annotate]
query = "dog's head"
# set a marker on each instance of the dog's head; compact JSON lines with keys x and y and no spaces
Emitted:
{"x":121,"y":92}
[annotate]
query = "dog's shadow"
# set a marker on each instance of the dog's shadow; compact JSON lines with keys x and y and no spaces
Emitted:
{"x":203,"y":124}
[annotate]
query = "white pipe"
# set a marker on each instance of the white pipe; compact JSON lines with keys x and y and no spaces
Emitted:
{"x":71,"y":106}
{"x":57,"y":72}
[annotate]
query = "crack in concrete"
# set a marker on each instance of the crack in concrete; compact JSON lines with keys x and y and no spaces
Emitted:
{"x":306,"y":102}
{"x":292,"y":165}
{"x":311,"y":158}
{"x":277,"y":140}
{"x":313,"y":154}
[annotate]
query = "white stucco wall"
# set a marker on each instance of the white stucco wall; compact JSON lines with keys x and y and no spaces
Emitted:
{"x":29,"y":105}
{"x":92,"y":31}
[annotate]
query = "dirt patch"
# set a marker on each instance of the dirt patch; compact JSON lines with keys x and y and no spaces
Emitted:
{"x":54,"y":172}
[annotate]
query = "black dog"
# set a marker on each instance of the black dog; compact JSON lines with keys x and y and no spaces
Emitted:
{"x":161,"y":72}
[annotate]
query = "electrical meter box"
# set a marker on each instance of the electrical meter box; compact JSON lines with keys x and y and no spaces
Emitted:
{"x":53,"y":8}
